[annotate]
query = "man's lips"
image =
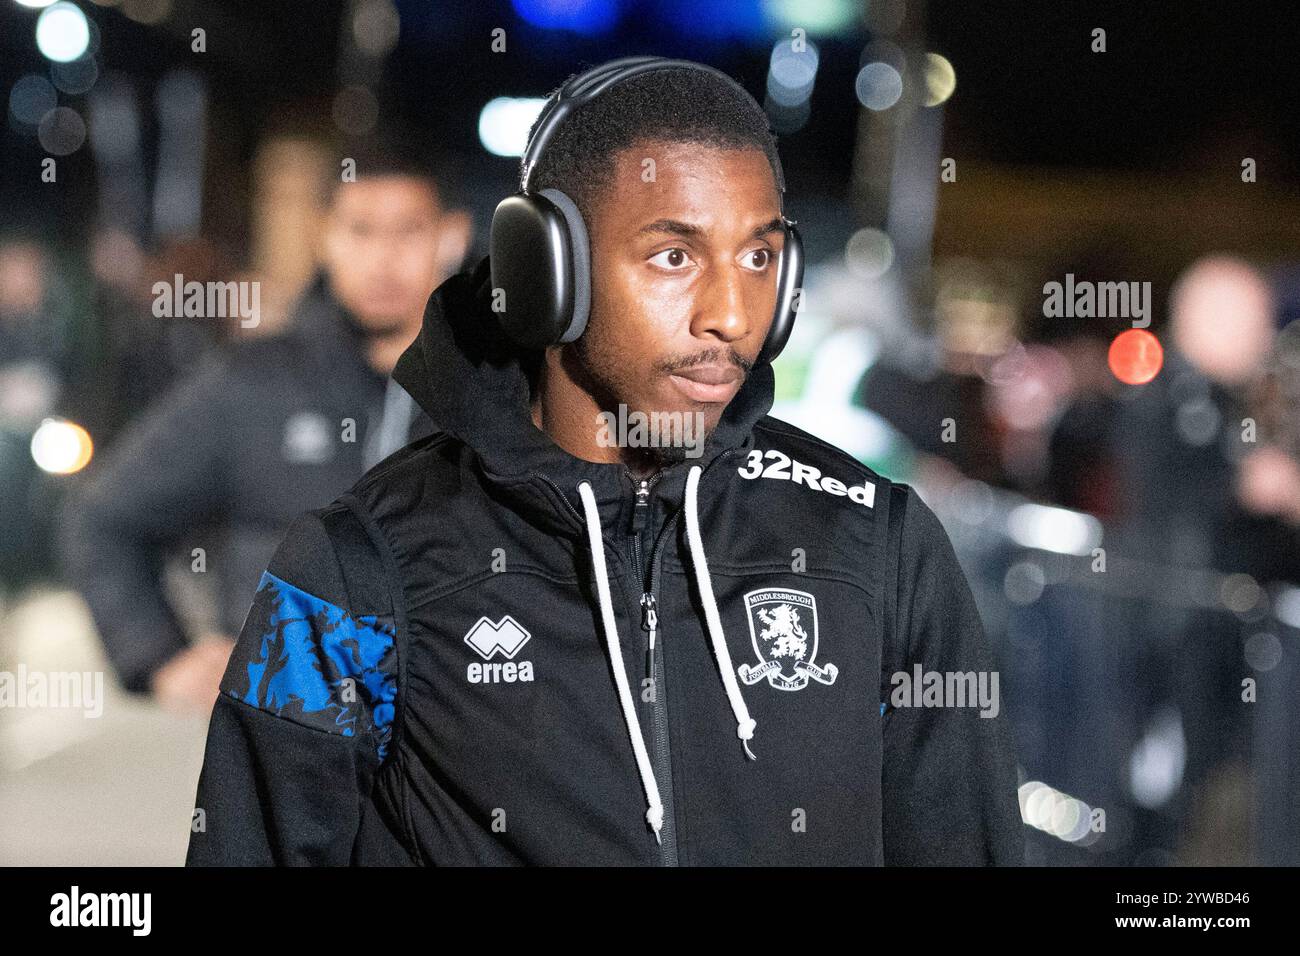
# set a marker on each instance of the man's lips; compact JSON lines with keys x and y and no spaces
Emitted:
{"x":708,"y":383}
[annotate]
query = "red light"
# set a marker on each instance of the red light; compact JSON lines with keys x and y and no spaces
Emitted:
{"x":1136,"y":356}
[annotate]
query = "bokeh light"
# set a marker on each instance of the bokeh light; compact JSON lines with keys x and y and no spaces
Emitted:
{"x":504,"y":123}
{"x":1049,"y":528}
{"x":62,"y":131}
{"x":878,"y":86}
{"x":62,"y":33}
{"x":791,"y":73}
{"x":1135,"y":356}
{"x":580,"y":16}
{"x":1048,"y":809}
{"x":61,"y":447}
{"x":148,"y":12}
{"x":1263,"y":651}
{"x":31,"y":98}
{"x":869,"y":253}
{"x":822,"y":17}
{"x":1024,"y":582}
{"x":940,"y":79}
{"x":376,"y":25}
{"x":76,"y":76}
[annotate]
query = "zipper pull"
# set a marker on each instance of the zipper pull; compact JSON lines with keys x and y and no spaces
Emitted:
{"x":642,"y":507}
{"x":649,"y":622}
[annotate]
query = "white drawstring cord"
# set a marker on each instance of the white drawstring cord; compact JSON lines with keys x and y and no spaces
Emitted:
{"x":655,"y":814}
{"x":744,"y":723}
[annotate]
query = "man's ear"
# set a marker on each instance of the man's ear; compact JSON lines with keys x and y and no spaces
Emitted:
{"x":455,"y":230}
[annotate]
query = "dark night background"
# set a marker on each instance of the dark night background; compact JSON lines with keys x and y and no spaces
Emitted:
{"x":1179,"y":84}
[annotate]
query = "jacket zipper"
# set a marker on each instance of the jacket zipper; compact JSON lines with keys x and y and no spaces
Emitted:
{"x":654,"y":663}
{"x":649,"y":612}
{"x":650,"y":623}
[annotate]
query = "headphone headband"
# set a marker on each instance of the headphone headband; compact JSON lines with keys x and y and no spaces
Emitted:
{"x":582,"y":89}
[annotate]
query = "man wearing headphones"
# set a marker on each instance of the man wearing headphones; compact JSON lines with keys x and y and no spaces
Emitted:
{"x":550,"y":634}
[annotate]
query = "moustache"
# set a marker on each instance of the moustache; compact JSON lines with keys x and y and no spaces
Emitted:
{"x":713,"y":356}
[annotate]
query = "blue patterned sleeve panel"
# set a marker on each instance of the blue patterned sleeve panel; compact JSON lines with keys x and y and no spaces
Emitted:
{"x":307,"y":660}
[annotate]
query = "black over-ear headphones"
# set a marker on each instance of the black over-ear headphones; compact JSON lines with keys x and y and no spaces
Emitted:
{"x":540,"y":256}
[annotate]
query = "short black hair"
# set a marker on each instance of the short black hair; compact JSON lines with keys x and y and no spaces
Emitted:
{"x":674,"y":105}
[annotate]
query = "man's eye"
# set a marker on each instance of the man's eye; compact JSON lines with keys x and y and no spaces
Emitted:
{"x":757,"y":260}
{"x":671,"y":259}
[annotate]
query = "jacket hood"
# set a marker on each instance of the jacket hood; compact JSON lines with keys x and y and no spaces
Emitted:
{"x":472,"y":380}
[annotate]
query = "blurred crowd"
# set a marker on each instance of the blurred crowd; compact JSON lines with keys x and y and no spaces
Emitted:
{"x":1198,"y":467}
{"x":1194,"y":475}
{"x":207,"y":430}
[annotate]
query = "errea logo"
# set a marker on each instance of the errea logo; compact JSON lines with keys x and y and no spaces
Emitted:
{"x":506,"y":637}
{"x":785,"y":468}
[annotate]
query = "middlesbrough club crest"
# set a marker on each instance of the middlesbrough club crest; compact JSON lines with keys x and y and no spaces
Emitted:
{"x":783,"y":628}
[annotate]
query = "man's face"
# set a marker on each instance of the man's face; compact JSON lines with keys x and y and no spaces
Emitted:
{"x":381,"y":250}
{"x":683,"y":278}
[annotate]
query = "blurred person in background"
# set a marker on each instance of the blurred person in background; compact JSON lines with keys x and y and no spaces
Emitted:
{"x":1178,"y":437}
{"x":1179,"y":440}
{"x":936,"y":394}
{"x":1264,"y":517}
{"x":133,"y":356}
{"x":34,"y":360}
{"x":1258,"y":535}
{"x":28,"y":331}
{"x":267,"y":428}
{"x":1181,"y":434}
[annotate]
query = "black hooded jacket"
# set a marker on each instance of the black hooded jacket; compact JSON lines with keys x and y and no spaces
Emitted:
{"x":439,"y":668}
{"x":225,"y":462}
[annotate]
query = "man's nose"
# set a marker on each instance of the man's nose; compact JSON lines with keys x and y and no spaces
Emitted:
{"x":721,"y":309}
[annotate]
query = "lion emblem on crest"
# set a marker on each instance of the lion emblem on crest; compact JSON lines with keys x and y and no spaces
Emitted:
{"x":783,"y":629}
{"x":788,"y":638}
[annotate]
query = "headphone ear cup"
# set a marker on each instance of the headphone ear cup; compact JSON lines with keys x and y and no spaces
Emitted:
{"x":789,"y":280}
{"x":540,"y":269}
{"x":579,"y":264}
